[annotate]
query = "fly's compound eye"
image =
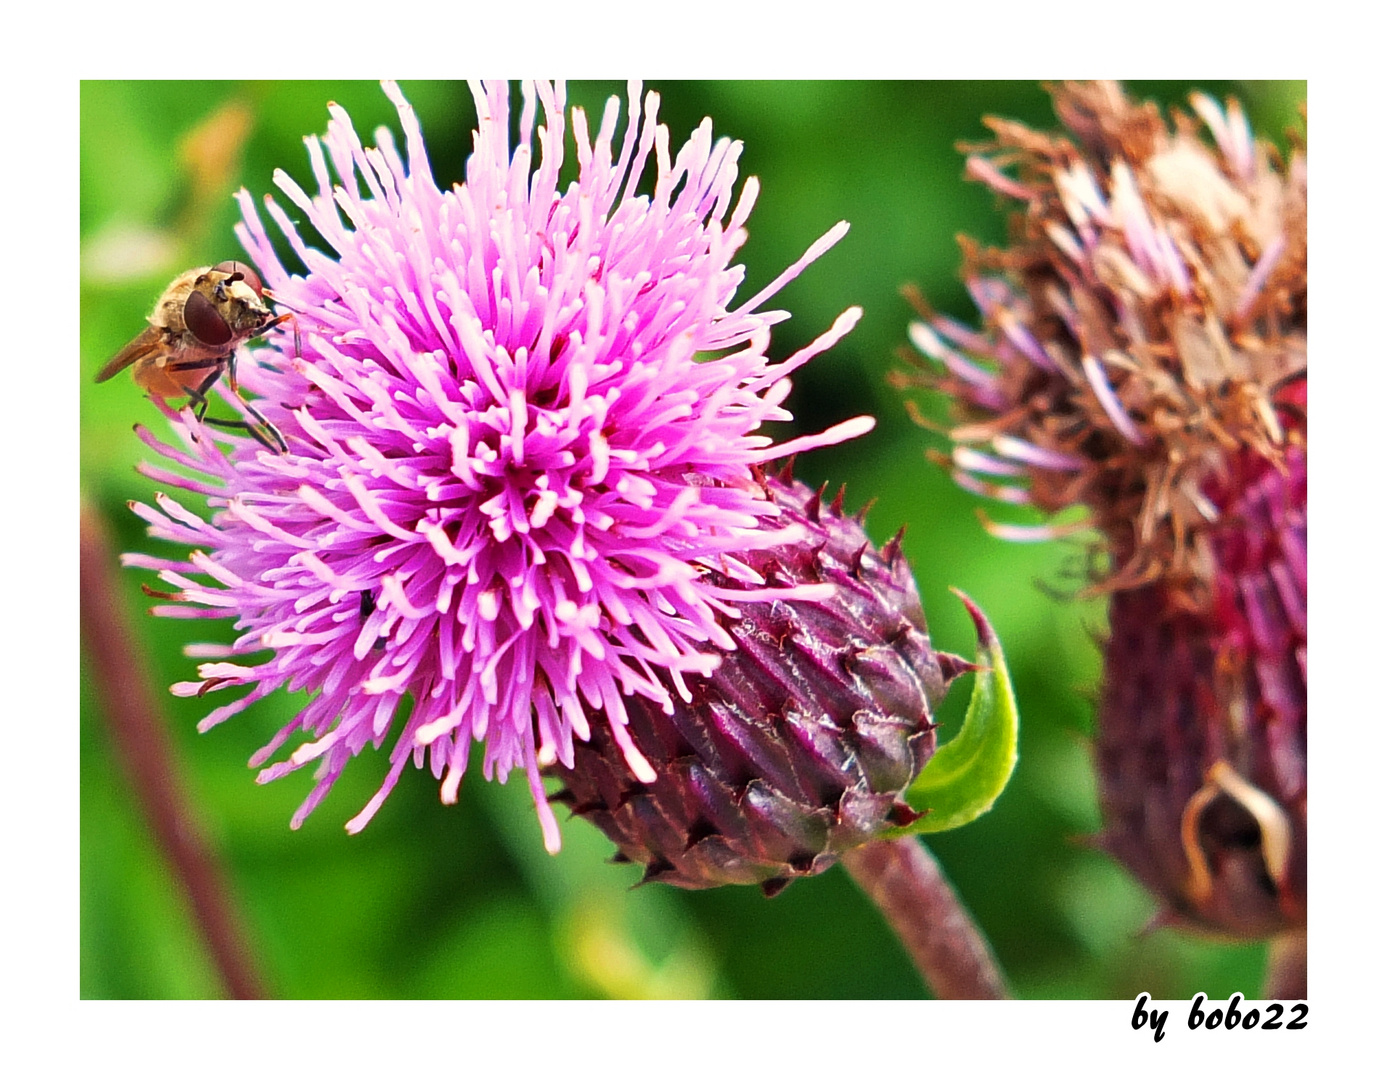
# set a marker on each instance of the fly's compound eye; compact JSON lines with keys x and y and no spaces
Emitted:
{"x":201,"y":317}
{"x":239,"y":271}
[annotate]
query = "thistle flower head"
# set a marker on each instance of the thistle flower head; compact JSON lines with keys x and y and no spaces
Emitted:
{"x":1143,"y":355}
{"x":522,"y":425}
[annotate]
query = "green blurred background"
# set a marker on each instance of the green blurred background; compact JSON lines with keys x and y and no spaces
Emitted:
{"x":463,"y":901}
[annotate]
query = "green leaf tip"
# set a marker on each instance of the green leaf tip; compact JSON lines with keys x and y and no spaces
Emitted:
{"x":964,"y":777}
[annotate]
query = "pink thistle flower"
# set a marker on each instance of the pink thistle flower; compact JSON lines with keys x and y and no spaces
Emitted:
{"x":522,"y":426}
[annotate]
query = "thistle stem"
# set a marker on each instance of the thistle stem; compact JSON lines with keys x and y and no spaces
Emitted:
{"x":1287,"y":975}
{"x":906,"y":882}
{"x":123,"y":686}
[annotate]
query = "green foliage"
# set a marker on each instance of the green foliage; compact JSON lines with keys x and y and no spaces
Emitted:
{"x":966,"y":775}
{"x":462,"y":900}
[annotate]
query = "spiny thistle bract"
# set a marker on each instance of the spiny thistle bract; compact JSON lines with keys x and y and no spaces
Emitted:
{"x":1143,"y":355}
{"x":800,"y":744}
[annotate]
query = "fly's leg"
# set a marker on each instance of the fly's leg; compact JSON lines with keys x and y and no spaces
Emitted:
{"x":279,"y":445}
{"x":214,"y":372}
{"x":231,"y":360}
{"x":258,"y":431}
{"x":198,"y":398}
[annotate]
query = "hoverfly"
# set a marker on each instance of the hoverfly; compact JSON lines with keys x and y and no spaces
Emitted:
{"x":200,"y":321}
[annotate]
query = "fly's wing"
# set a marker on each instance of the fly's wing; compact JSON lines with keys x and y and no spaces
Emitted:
{"x":147,"y":343}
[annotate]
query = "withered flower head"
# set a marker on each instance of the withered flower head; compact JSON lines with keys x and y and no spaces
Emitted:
{"x":1143,"y":355}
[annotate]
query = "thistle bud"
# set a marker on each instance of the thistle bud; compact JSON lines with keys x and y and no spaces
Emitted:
{"x":1143,"y":355}
{"x":799,"y":745}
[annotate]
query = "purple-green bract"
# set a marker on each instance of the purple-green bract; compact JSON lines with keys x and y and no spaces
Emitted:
{"x":522,"y":436}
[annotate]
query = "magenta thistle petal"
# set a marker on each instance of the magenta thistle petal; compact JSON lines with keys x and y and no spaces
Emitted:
{"x":522,"y":422}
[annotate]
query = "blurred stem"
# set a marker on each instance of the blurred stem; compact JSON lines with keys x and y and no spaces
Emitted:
{"x":949,"y":951}
{"x":122,"y":685}
{"x":1287,"y":963}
